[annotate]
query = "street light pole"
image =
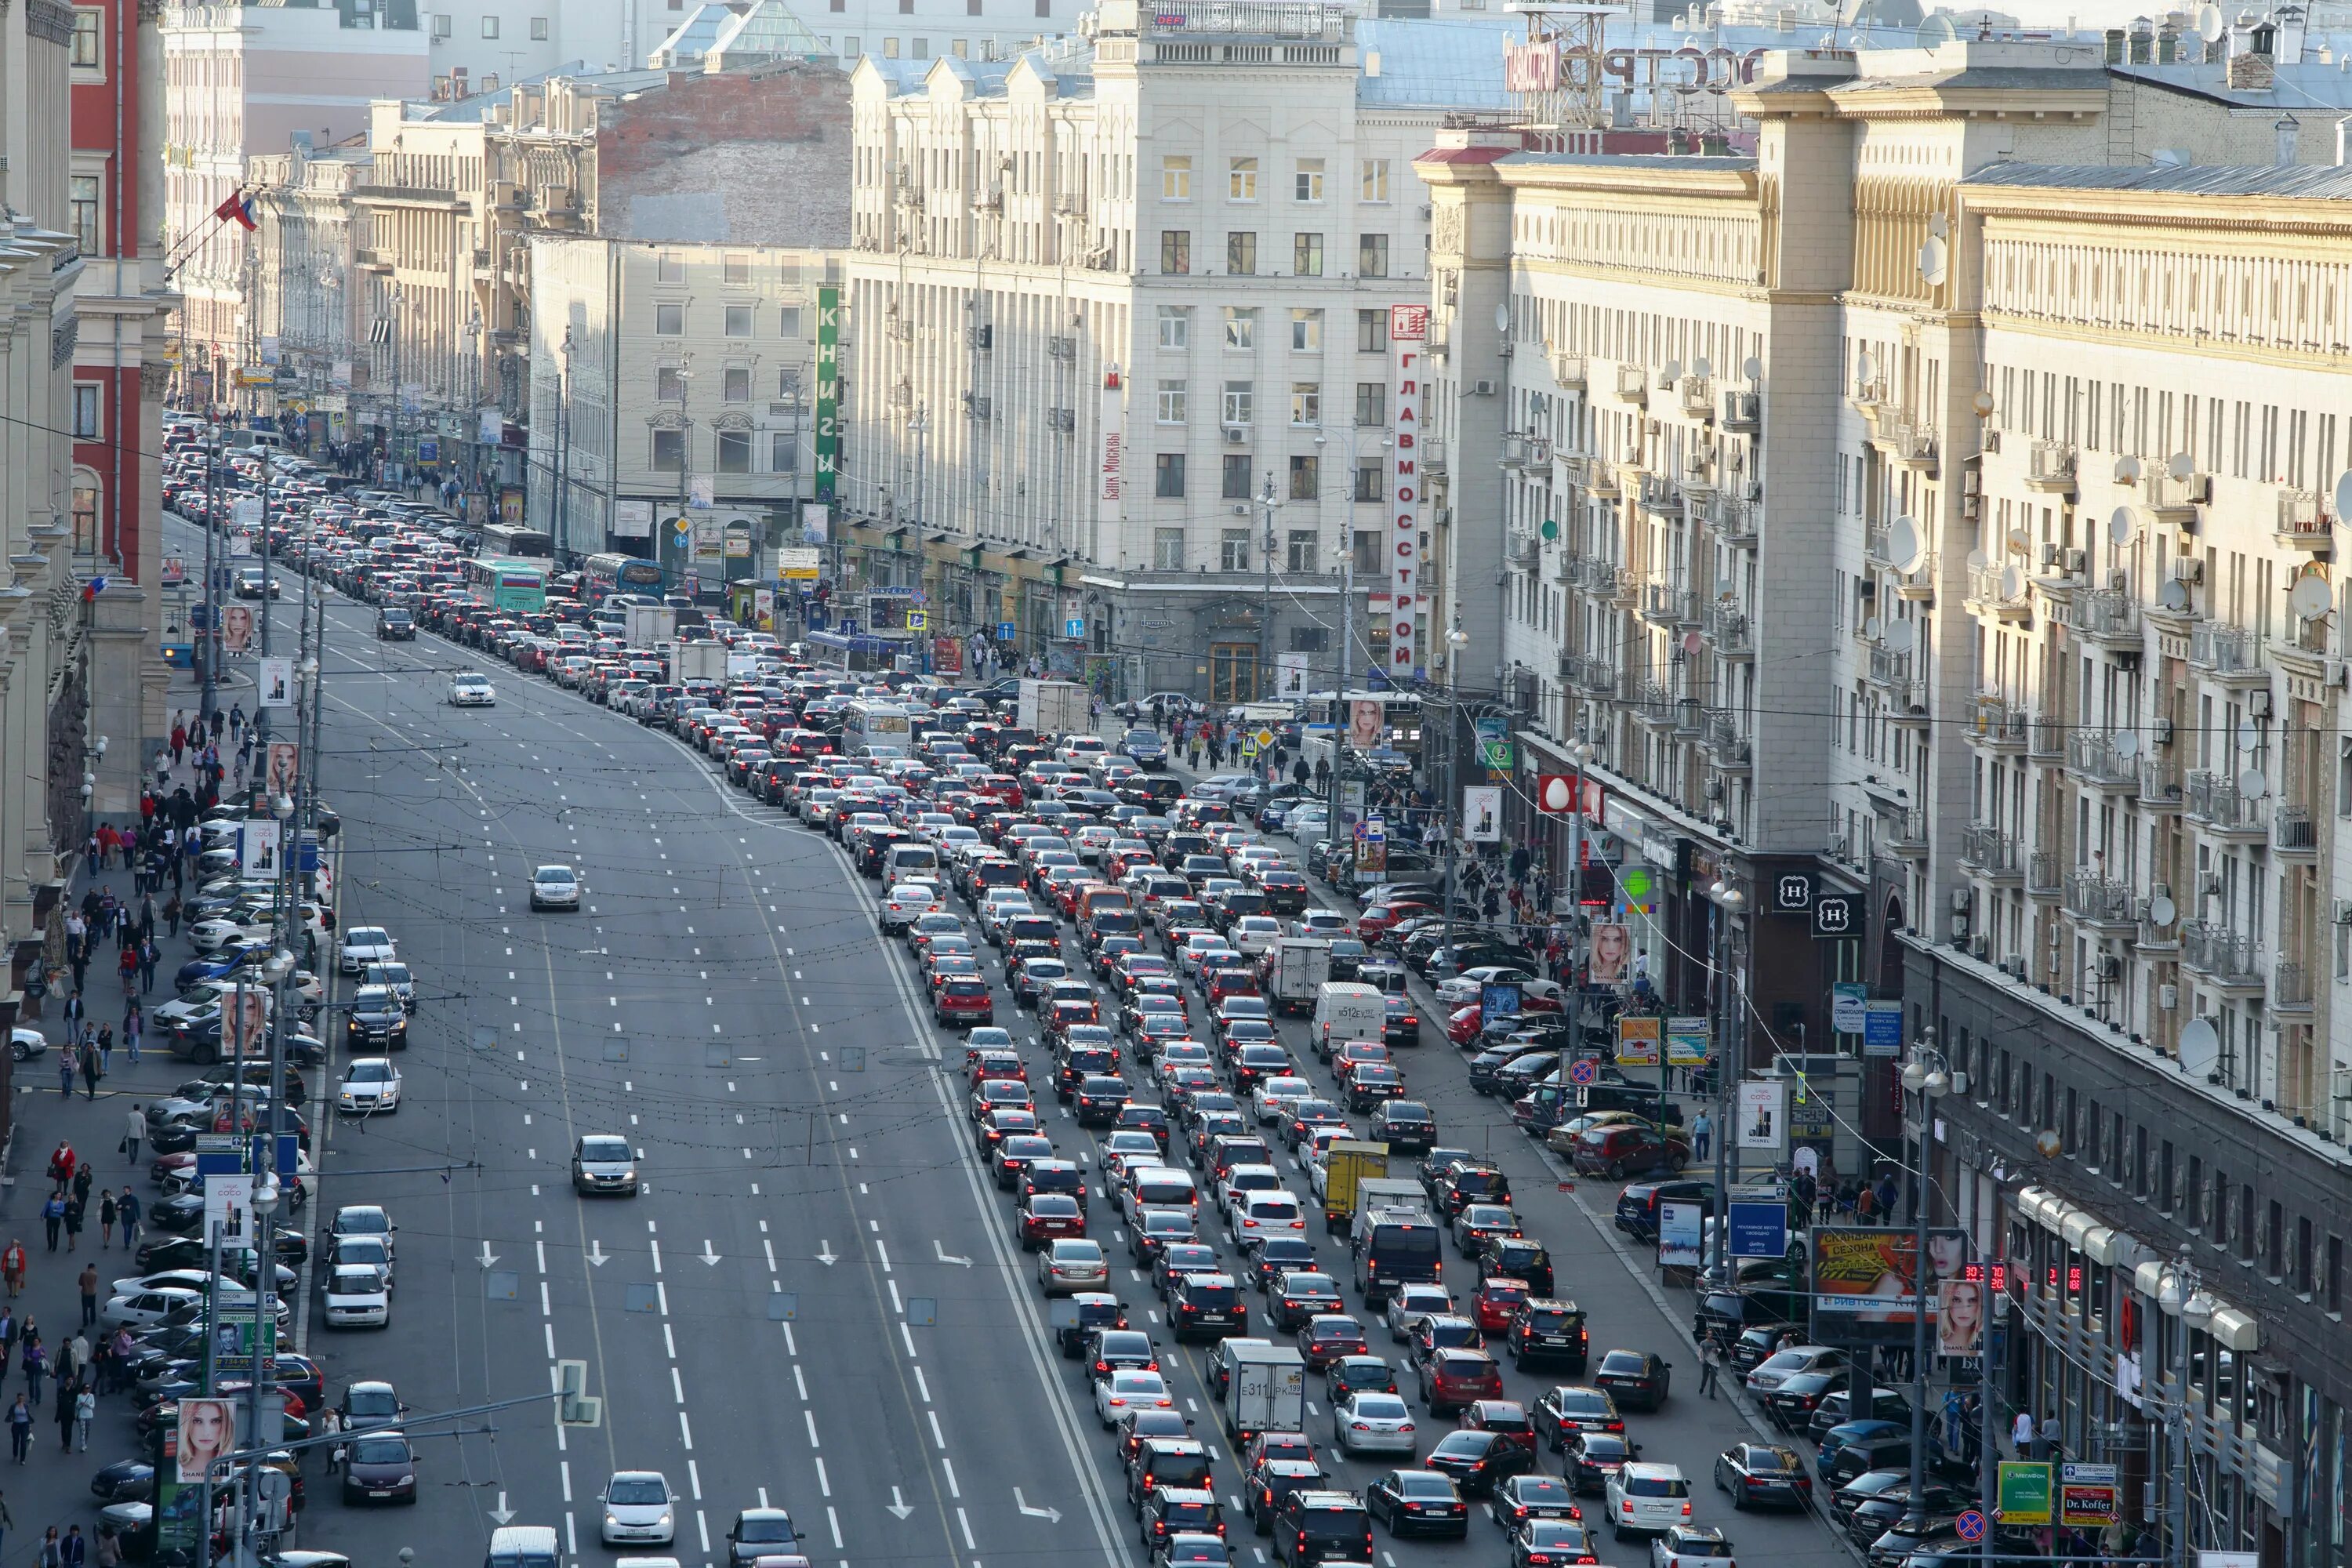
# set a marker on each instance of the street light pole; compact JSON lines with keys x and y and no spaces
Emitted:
{"x":2180,"y":1295}
{"x":1929,"y":1076}
{"x":1456,"y":639}
{"x":1267,"y":500}
{"x":1728,"y":901}
{"x":210,"y":704}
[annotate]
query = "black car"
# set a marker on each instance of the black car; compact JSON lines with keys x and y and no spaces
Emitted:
{"x":1207,"y":1305}
{"x":1358,"y":1373}
{"x":1836,"y":1409}
{"x":177,"y":1214}
{"x":1548,"y":1331}
{"x":1478,"y":1460}
{"x":125,"y":1480}
{"x":1636,"y":1380}
{"x":1426,"y":1502}
{"x":1090,"y":1309}
{"x":1883,"y":1516}
{"x":1543,"y":1542}
{"x":1791,"y":1405}
{"x":1519,"y":1499}
{"x":1590,"y":1457}
{"x":1183,"y":1259}
{"x":1276,"y":1256}
{"x":1273,"y":1480}
{"x":1406,"y":1126}
{"x":1763,"y":1475}
{"x":760,"y":1532}
{"x":1099,"y":1099}
{"x":377,"y":1021}
{"x":1637,"y":1206}
{"x":1518,"y":1257}
{"x":1313,"y":1525}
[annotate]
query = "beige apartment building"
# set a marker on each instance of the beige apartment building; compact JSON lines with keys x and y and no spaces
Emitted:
{"x":1926,"y":527}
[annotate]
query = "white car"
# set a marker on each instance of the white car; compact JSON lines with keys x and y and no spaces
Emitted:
{"x":1781,"y":1365}
{"x":369,"y":1084}
{"x":1072,"y":1263}
{"x":1371,"y":1423}
{"x":1256,"y":934}
{"x":554,"y":888}
{"x":1119,"y":1391}
{"x":1271,"y":1098}
{"x":358,"y":1296}
{"x":639,"y":1506}
{"x":146,"y":1307}
{"x":472,"y":691}
{"x":908,"y":902}
{"x":220,"y":931}
{"x":1242,"y":1182}
{"x":364,"y":945}
{"x":1412,"y":1303}
{"x":1643,"y":1499}
{"x":171,"y":1279}
{"x":1262,"y":1214}
{"x":1691,"y":1546}
{"x":1460,"y":990}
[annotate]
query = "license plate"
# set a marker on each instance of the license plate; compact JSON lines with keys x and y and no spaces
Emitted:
{"x":372,"y":1492}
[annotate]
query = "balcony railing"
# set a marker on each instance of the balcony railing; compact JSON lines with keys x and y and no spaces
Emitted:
{"x":2227,"y":651}
{"x":2106,"y":615}
{"x":2290,"y":985}
{"x":1728,"y":628}
{"x":2049,"y":739}
{"x":2225,"y":957}
{"x":1998,"y":724}
{"x":1655,"y":705}
{"x":2094,"y":757}
{"x":1719,"y":728}
{"x":1634,"y":383}
{"x":1889,"y":667}
{"x":2301,"y":523}
{"x":1907,"y":834}
{"x":1659,"y":493}
{"x":1593,"y":675}
{"x":1734,"y":518}
{"x":2044,"y":873}
{"x":2215,"y":801}
{"x":2159,"y":785}
{"x":2102,"y":900}
{"x":1991,"y":585}
{"x":1991,"y":852}
{"x":2050,"y":465}
{"x":2293,"y":832}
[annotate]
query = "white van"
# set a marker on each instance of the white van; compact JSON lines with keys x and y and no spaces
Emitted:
{"x":1348,"y":1010}
{"x":522,"y":1546}
{"x":911,"y":862}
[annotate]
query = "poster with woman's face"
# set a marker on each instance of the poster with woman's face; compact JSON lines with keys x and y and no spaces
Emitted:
{"x":236,"y":627}
{"x":208,"y":1432}
{"x":1612,"y":951}
{"x":1959,"y":1318}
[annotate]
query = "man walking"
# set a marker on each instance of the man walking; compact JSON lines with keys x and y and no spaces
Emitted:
{"x":1701,"y":1134}
{"x":88,"y":1294}
{"x":1710,"y":1363}
{"x":2021,"y":1434}
{"x":134,"y":1129}
{"x":128,"y":1207}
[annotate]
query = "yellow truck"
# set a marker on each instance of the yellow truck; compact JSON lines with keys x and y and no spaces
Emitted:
{"x":1347,"y":1164}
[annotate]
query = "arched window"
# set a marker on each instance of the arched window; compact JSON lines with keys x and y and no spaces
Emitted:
{"x":85,"y":512}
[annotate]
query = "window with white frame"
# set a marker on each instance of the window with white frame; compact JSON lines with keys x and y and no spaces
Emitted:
{"x":1241,"y":180}
{"x":1241,"y":327}
{"x":1307,"y":403}
{"x":1240,"y":402}
{"x":1306,"y":180}
{"x":1307,"y":332}
{"x":1176,"y":177}
{"x":1171,"y":403}
{"x":1175,"y":326}
{"x":1373,"y":185}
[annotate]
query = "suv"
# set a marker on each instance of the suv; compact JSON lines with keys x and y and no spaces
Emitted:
{"x":1206,"y":1304}
{"x":1171,"y":1463}
{"x":1646,"y":1500}
{"x":1544,"y":1330}
{"x":1312,"y":1527}
{"x":394,"y":624}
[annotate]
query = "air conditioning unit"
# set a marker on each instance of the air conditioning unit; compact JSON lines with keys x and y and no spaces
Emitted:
{"x":1992,"y":440}
{"x":2014,"y":963}
{"x":2077,"y":563}
{"x":2189,"y":569}
{"x":2257,"y":704}
{"x":2339,"y":674}
{"x":2048,"y":557}
{"x":1483,"y":389}
{"x":1063,"y":419}
{"x":2168,"y":997}
{"x":2111,"y":968}
{"x":2163,"y":728}
{"x":1237,"y":435}
{"x":2344,"y":911}
{"x":2118,"y":580}
{"x":1971,"y":482}
{"x":982,"y":408}
{"x":2200,"y":490}
{"x":2209,"y":883}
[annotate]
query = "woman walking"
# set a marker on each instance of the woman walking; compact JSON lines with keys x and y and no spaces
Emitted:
{"x":105,"y":1219}
{"x":52,"y":1215}
{"x":20,"y":1436}
{"x":35,"y":1363}
{"x":134,"y":1020}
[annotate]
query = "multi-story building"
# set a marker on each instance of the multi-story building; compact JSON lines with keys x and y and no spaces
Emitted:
{"x":120,"y":348}
{"x":311,"y":300}
{"x":242,"y":79}
{"x":673,"y":393}
{"x":48,"y":742}
{"x":1924,"y":528}
{"x":1116,"y":332}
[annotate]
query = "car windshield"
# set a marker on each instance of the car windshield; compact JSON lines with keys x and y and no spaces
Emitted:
{"x":554,"y":874}
{"x":371,"y":1402}
{"x":772,"y":1530}
{"x":371,"y":1072}
{"x":1701,"y":1546}
{"x":367,"y":936}
{"x":380,"y":1451}
{"x":611,"y":1151}
{"x":1625,"y":1363}
{"x":1656,"y":1486}
{"x":1605,"y":1446}
{"x":357,"y":1282}
{"x":637,"y":1491}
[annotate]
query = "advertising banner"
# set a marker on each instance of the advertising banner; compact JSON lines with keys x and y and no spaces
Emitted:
{"x":1482,"y":813}
{"x":1613,"y":954}
{"x":1681,"y":1234}
{"x":1640,"y":1041}
{"x":229,"y":1210}
{"x":1290,"y":676}
{"x":1494,"y":744}
{"x":1408,"y":331}
{"x":947,"y":656}
{"x":828,"y":392}
{"x":277,"y":683}
{"x":1685,"y":1042}
{"x":1112,"y":454}
{"x":2023,"y":1490}
{"x":1364,"y":724}
{"x":1961,"y":1312}
{"x":1763,"y":1115}
{"x":1758,"y":1229}
{"x":285,"y":765}
{"x":259,"y":842}
{"x":1864,"y":1281}
{"x":1849,"y":1002}
{"x":2089,"y":1496}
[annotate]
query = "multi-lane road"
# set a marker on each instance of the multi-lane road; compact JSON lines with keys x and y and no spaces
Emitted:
{"x":815,"y":1302}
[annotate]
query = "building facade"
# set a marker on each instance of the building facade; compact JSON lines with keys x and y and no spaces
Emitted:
{"x":1116,"y":336}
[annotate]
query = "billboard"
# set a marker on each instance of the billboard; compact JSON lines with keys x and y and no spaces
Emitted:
{"x":205,"y":1433}
{"x":1408,"y":331}
{"x":1864,"y":1281}
{"x":1482,"y":813}
{"x":1763,"y":1118}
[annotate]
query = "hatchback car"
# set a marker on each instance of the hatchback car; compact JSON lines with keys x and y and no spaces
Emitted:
{"x":369,"y":1084}
{"x":638,"y":1507}
{"x":603,"y":1162}
{"x":1646,"y":1499}
{"x":379,"y":1466}
{"x":1420,"y":1502}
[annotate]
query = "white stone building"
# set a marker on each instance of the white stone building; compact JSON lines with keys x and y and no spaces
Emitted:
{"x":1101,"y":296}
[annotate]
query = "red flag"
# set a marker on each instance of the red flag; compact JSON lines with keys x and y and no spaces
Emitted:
{"x":237,"y":208}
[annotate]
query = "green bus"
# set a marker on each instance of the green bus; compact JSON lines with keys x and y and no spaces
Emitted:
{"x":508,"y":584}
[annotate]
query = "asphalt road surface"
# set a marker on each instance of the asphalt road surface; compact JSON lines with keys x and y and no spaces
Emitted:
{"x":815,"y":1302}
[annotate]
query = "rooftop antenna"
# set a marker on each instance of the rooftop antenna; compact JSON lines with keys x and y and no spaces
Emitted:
{"x":1559,"y":78}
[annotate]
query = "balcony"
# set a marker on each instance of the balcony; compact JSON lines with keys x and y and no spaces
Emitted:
{"x":2159,"y":785}
{"x":1912,"y":446}
{"x":2049,"y":466}
{"x":1907,"y":835}
{"x":2108,"y":616}
{"x":1992,"y":854}
{"x":1998,"y":725}
{"x":2293,"y":835}
{"x":1742,"y":411}
{"x":1668,"y":603}
{"x":2045,"y":878}
{"x":2290,"y":987}
{"x":1523,"y":551}
{"x":1729,"y":630}
{"x":1689,"y":719}
{"x":1733,"y":519}
{"x":1634,"y":385}
{"x":1568,"y":371}
{"x":1719,"y":732}
{"x":1654,"y":705}
{"x":2228,"y":653}
{"x":2302,"y":525}
{"x":2047,"y":741}
{"x":1590,"y":674}
{"x":2001,"y":589}
{"x":1624,"y":587}
{"x":1660,"y":494}
{"x":1698,"y":397}
{"x":2094,"y":758}
{"x":2176,"y":500}
{"x":2104,"y":902}
{"x":1889,"y":667}
{"x":2226,"y":960}
{"x":2215,"y":804}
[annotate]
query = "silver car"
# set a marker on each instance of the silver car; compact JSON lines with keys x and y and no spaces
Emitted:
{"x":603,"y":1162}
{"x":554,"y":888}
{"x":639,"y":1506}
{"x":1073,"y":1264}
{"x":1369,"y":1422}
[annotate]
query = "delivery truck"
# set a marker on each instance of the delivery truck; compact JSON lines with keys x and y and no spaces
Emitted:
{"x":698,"y":661}
{"x":649,"y":625}
{"x":1054,"y":707}
{"x":1347,"y":1165}
{"x":1266,"y":1393}
{"x":1297,"y":969}
{"x":1348,"y":1010}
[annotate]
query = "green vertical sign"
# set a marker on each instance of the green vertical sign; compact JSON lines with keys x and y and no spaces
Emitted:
{"x":829,"y":391}
{"x":2024,"y":1492}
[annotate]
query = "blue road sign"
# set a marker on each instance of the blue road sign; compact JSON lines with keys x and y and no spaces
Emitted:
{"x":1074,"y":626}
{"x":1584,"y":1072}
{"x":1970,"y":1525}
{"x":1881,"y":1029}
{"x":1005,"y":630}
{"x":1759,"y":1229}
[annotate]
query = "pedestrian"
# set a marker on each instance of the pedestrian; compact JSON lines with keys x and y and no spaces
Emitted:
{"x":135,"y":1127}
{"x":1710,"y":1363}
{"x":1702,"y":1130}
{"x":62,"y":1164}
{"x":172,"y":904}
{"x":93,"y":1062}
{"x":6,"y":1522}
{"x":52,"y":1553}
{"x":53,"y":1215}
{"x":12,"y":1268}
{"x":1887,"y":1195}
{"x":330,"y":1424}
{"x":128,"y":1207}
{"x":68,"y":1058}
{"x":83,"y":1177}
{"x":74,"y":1552}
{"x":85,"y":1410}
{"x":106,"y":1215}
{"x":75,"y":1208}
{"x":179,"y":737}
{"x":134,"y":1021}
{"x":89,"y":1281}
{"x":150,"y":956}
{"x":20,"y":1438}
{"x":2021,"y":1434}
{"x":62,"y":1410}
{"x":36,"y":1362}
{"x":110,"y":1548}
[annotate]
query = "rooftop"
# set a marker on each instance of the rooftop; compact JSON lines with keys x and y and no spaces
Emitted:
{"x":2318,"y":181}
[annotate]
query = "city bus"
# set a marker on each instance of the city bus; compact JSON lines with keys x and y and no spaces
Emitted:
{"x":517,"y":586}
{"x":617,"y":573}
{"x":511,"y":542}
{"x":875,"y":729}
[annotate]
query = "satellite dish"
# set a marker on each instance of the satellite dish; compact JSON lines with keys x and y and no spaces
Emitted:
{"x":2200,"y":1045}
{"x":2248,"y":736}
{"x":1690,"y":642}
{"x":1864,"y":367}
{"x":2208,"y":22}
{"x":2176,"y":597}
{"x":1977,"y":559}
{"x":2180,"y":465}
{"x":1751,"y":367}
{"x":2126,"y":744}
{"x":2309,"y":597}
{"x":1901,"y":636}
{"x":2162,"y":913}
{"x":1934,"y":31}
{"x":1983,"y":404}
{"x":2123,"y":527}
{"x":2127,"y":471}
{"x":2252,"y":785}
{"x":1905,"y":548}
{"x":1934,"y":262}
{"x":1702,"y":367}
{"x":2020,"y":542}
{"x":1938,"y":223}
{"x":2012,"y":582}
{"x":1503,"y":319}
{"x":2343,"y":493}
{"x":1870,"y":629}
{"x":1673,"y":369}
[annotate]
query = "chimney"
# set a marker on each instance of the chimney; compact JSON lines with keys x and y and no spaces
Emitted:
{"x":2142,"y":42}
{"x":2115,"y":46}
{"x":2286,"y":131}
{"x":2342,"y":140}
{"x":2167,"y":44}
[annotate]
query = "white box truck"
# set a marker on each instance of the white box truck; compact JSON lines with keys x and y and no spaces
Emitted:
{"x":649,"y":625}
{"x":1268,"y":1392}
{"x":698,"y":661}
{"x":1054,"y":707}
{"x":1298,"y":969}
{"x":1348,"y":1010}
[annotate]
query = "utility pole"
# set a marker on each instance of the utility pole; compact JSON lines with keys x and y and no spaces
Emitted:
{"x":210,"y":704}
{"x":2181,"y":1295}
{"x":1268,"y":501}
{"x":1728,"y":901}
{"x":1928,"y":1075}
{"x":1456,"y":639}
{"x":563,"y":550}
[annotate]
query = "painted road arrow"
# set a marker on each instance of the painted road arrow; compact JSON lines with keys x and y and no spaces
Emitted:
{"x":487,"y":1257}
{"x":708,"y":1254}
{"x":898,"y":1504}
{"x":1055,"y":1514}
{"x":944,"y":1256}
{"x":502,"y":1513}
{"x":596,"y":1254}
{"x":824,"y":1254}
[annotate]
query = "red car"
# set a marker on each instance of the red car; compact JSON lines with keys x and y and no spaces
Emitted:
{"x":1462,"y":1024}
{"x":1328,"y":1337}
{"x":1375,"y":922}
{"x":1450,"y":1379}
{"x":1046,"y":1215}
{"x":1230,"y":980}
{"x":1498,"y":1300}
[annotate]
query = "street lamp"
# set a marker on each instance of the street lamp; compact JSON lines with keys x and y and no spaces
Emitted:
{"x":1729,"y":904}
{"x":1927,"y":1075}
{"x":2181,"y":1294}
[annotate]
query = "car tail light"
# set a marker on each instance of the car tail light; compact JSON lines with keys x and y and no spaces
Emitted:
{"x":1625,"y":1506}
{"x":1685,"y":1510}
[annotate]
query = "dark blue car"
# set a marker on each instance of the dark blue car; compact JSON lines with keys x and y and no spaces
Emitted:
{"x":1145,"y":749}
{"x":219,"y":965}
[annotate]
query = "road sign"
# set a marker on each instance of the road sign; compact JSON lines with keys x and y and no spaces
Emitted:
{"x":1640,"y":1041}
{"x":1881,"y":1028}
{"x":1970,"y":1525}
{"x":1555,"y":794}
{"x":1758,"y":1229}
{"x":1583,"y":1070}
{"x":1837,"y":914}
{"x":1265,"y":739}
{"x":918,"y":620}
{"x":1849,"y":1003}
{"x":1005,"y":630}
{"x":2024,"y":1492}
{"x":1792,"y":893}
{"x":1074,"y":626}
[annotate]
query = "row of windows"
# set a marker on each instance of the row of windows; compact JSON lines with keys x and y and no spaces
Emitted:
{"x":1307,"y":179}
{"x":1242,"y":254}
{"x":739,"y":322}
{"x":538,"y":30}
{"x":670,"y":381}
{"x":1236,"y":477}
{"x":735,"y":451}
{"x":1241,"y":324}
{"x":1237,"y":406}
{"x":2247,"y":440}
{"x":1301,"y":554}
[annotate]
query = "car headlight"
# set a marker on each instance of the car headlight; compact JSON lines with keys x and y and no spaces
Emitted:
{"x":611,"y":1519}
{"x":666,"y":1517}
